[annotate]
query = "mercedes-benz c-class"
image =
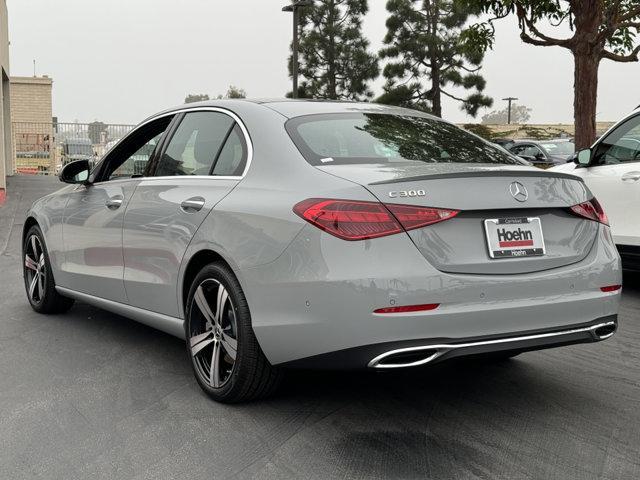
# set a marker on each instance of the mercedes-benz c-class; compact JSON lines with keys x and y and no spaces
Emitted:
{"x":280,"y":234}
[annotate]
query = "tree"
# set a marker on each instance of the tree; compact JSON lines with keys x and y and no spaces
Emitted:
{"x":428,"y":54}
{"x":333,"y":56}
{"x":234,"y":92}
{"x":198,"y":97}
{"x":519,"y":114}
{"x":601,"y":29}
{"x":94,"y":131}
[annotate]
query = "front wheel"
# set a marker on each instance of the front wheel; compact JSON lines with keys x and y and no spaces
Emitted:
{"x":227,"y":360}
{"x":38,"y":277}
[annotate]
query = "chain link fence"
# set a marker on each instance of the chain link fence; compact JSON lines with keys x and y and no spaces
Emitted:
{"x":44,"y":148}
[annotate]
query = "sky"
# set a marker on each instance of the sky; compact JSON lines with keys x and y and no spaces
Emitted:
{"x":119,"y":61}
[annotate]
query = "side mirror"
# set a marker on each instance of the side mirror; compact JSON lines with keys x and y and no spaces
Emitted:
{"x":540,"y":156}
{"x":583,"y":158}
{"x":75,"y":172}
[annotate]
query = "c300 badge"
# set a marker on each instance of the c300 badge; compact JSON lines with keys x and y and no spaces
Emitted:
{"x":407,"y":193}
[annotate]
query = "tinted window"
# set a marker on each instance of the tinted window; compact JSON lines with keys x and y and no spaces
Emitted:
{"x":383,"y":138}
{"x":195,"y":144}
{"x":621,"y":145}
{"x":233,"y":156}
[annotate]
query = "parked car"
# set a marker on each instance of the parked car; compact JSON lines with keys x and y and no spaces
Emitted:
{"x":283,"y":234}
{"x":76,"y":149}
{"x":543,"y":153}
{"x":504,"y":142}
{"x":611,"y":169}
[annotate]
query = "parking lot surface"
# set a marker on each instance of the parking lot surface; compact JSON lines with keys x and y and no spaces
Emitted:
{"x":90,"y":394}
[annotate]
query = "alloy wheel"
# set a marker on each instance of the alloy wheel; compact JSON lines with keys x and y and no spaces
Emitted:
{"x":35,"y":269}
{"x":213,"y":333}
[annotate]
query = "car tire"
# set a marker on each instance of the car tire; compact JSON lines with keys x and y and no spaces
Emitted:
{"x":38,"y":276}
{"x":211,"y":336}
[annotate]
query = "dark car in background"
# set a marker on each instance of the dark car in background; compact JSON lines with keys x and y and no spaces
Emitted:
{"x":544,"y":153}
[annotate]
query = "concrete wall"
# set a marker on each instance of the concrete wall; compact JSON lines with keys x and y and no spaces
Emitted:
{"x":31,"y":117}
{"x":6,"y":157}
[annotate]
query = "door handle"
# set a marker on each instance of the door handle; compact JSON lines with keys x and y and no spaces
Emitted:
{"x":114,"y":203}
{"x":631,"y":177}
{"x":192,"y":205}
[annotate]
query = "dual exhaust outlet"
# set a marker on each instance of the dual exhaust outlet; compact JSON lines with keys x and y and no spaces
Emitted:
{"x":422,"y":355}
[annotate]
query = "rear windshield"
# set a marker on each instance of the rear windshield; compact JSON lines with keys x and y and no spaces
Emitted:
{"x":388,"y":139}
{"x":559,"y":148}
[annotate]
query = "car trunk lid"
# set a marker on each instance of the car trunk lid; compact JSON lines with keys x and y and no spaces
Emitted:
{"x":481,"y":193}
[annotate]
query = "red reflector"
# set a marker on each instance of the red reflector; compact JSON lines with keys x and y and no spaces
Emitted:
{"x":611,"y":288}
{"x":591,"y":210}
{"x":408,"y":308}
{"x":360,"y":220}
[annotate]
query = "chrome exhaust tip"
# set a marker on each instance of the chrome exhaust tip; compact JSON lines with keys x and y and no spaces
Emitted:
{"x":604,"y":331}
{"x":406,"y":357}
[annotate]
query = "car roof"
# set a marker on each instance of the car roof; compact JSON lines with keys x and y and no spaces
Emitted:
{"x":298,"y":107}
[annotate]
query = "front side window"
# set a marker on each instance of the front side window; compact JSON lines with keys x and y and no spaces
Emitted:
{"x":622,"y":145}
{"x":130,"y":157}
{"x":195,"y":145}
{"x":388,"y":139}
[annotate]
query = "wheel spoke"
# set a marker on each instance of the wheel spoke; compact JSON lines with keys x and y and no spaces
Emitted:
{"x":32,"y":286}
{"x":40,"y":286}
{"x":34,"y":246}
{"x":204,"y":307}
{"x":198,"y":342}
{"x":223,"y":296}
{"x":214,"y":374}
{"x":230,"y":346}
{"x":41,"y":261}
{"x":30,"y":263}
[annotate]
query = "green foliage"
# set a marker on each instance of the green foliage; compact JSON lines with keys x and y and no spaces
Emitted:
{"x":519,"y":114}
{"x":429,"y":50}
{"x":234,"y":92}
{"x":334,"y":61}
{"x":198,"y":97}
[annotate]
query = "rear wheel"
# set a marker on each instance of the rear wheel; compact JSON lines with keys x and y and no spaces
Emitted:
{"x":38,"y":277}
{"x":225,"y":355}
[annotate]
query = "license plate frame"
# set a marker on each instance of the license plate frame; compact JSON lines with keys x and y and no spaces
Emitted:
{"x":522,"y":237}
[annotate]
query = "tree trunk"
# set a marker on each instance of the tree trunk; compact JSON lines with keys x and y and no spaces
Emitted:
{"x":585,"y":97}
{"x":332,"y":92}
{"x":436,"y":95}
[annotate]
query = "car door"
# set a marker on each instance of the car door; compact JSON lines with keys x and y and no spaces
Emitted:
{"x":94,"y":214}
{"x":614,"y":178}
{"x":202,"y":162}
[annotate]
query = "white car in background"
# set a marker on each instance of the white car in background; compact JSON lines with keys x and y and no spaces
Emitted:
{"x":611,"y":170}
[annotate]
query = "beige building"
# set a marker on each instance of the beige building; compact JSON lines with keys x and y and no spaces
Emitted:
{"x":31,"y":118}
{"x":6,"y":158}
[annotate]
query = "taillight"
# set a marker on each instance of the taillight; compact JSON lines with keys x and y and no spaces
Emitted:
{"x":360,"y":220}
{"x":591,"y":210}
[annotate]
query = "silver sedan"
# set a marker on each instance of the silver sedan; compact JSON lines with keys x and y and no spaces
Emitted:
{"x":282,"y":234}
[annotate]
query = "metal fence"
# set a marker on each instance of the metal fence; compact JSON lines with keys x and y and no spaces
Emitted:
{"x":43,"y":148}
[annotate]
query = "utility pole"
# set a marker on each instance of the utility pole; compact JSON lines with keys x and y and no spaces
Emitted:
{"x":295,"y":9}
{"x":509,"y":99}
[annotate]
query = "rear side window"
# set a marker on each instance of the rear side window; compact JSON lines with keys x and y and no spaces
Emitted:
{"x":195,"y":145}
{"x":233,"y":156}
{"x":388,"y":139}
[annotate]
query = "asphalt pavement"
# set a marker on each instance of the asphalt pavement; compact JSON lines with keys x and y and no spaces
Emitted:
{"x":89,"y":394}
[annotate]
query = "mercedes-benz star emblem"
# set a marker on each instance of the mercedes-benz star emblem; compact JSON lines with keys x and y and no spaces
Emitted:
{"x":518,"y":191}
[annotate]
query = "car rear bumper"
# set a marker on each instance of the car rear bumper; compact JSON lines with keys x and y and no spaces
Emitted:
{"x":319,"y":298}
{"x":415,"y":353}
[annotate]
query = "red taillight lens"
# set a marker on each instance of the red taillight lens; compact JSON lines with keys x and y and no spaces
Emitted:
{"x":591,"y":210}
{"x":359,"y":220}
{"x":408,"y":308}
{"x":411,"y":217}
{"x":611,"y":288}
